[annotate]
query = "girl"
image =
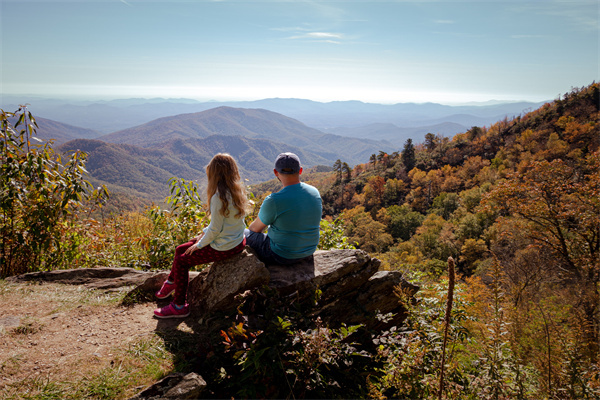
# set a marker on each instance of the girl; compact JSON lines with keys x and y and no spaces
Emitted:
{"x":224,"y":236}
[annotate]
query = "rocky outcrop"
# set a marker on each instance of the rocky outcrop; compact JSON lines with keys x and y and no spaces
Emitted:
{"x":352,"y":289}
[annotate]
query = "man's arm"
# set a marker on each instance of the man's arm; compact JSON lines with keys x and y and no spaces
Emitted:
{"x":257,"y":226}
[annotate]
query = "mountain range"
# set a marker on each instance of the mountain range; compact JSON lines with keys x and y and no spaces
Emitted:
{"x":332,"y":117}
{"x":139,"y":160}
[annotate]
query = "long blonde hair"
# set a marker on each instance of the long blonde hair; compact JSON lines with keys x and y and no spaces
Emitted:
{"x":224,"y":178}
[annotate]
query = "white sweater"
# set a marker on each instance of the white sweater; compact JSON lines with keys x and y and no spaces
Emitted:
{"x":222,"y":233}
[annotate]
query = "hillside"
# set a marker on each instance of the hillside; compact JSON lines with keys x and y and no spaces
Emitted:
{"x":515,"y":207}
{"x":135,"y":171}
{"x":396,"y":135}
{"x":59,"y":132}
{"x":144,"y":172}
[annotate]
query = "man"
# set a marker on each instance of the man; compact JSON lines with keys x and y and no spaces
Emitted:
{"x":292,"y":216}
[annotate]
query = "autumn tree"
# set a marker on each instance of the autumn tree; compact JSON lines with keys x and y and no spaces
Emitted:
{"x":561,"y":203}
{"x":347,"y":170}
{"x":361,"y":228}
{"x":337,"y":168}
{"x":430,"y":141}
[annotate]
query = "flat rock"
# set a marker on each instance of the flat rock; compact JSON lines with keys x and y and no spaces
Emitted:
{"x":96,"y":278}
{"x":174,"y":386}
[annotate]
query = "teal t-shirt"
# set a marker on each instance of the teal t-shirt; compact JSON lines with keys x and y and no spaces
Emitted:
{"x":293,"y":215}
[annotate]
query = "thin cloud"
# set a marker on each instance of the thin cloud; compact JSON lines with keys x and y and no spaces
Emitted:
{"x":444,"y":21}
{"x":326,"y":37}
{"x":527,"y":36}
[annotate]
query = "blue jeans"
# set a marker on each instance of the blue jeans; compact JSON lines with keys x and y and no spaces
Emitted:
{"x":261,"y":244}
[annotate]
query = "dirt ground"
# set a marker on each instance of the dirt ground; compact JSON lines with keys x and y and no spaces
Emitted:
{"x":64,"y":332}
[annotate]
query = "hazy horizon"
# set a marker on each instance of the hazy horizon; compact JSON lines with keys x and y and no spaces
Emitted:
{"x":24,"y":98}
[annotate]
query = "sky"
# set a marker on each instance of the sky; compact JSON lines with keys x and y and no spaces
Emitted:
{"x":447,"y":52}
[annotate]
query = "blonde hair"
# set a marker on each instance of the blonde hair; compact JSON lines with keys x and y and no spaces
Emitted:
{"x":224,"y":178}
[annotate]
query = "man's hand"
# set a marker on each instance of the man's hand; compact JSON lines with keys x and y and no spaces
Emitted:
{"x":257,"y":226}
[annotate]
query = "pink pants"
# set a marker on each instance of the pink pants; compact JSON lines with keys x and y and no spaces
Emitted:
{"x":180,"y":272}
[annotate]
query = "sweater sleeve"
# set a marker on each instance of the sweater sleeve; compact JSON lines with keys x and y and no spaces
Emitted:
{"x":216,"y":223}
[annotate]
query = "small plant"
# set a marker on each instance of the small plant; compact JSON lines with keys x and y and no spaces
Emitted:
{"x":184,"y":220}
{"x":27,"y":328}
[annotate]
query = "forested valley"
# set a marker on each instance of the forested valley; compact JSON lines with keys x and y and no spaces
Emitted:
{"x":514,"y":206}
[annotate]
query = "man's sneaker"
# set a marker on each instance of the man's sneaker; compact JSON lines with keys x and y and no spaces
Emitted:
{"x":166,"y":290}
{"x":171,"y":311}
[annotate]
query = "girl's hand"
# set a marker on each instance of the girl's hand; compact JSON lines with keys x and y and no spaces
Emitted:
{"x":190,"y":250}
{"x":197,"y":238}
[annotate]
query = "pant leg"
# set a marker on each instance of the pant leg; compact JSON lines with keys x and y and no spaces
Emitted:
{"x":261,"y":244}
{"x":180,"y":272}
{"x":183,"y":262}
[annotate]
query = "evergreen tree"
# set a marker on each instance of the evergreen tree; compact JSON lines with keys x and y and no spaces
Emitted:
{"x":408,"y":155}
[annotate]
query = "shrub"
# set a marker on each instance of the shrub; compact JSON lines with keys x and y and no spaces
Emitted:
{"x":41,"y":199}
{"x":288,"y":354}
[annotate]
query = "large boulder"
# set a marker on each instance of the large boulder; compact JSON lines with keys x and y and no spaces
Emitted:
{"x":352,"y":291}
{"x":215,"y":289}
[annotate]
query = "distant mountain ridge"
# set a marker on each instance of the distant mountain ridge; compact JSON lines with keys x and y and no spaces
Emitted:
{"x":115,"y":115}
{"x":59,"y":132}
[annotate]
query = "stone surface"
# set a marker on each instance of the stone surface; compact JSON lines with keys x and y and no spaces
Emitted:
{"x":334,"y":272}
{"x":174,"y":386}
{"x":97,"y":278}
{"x":216,"y":290}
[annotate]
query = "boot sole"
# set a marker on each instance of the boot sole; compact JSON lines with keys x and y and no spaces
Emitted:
{"x":172,"y":316}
